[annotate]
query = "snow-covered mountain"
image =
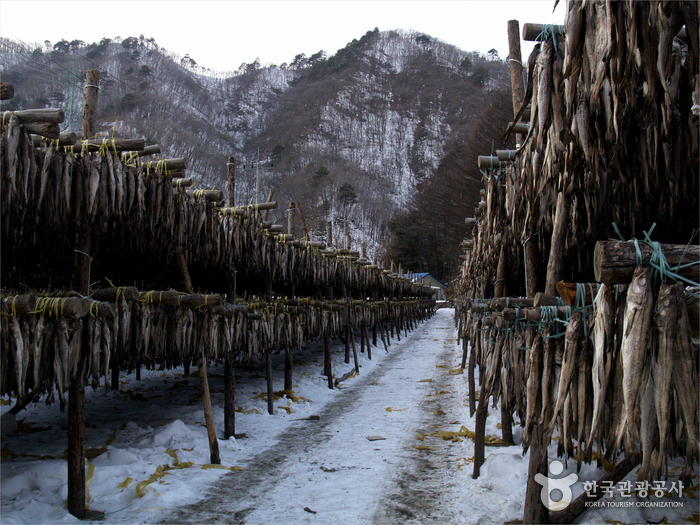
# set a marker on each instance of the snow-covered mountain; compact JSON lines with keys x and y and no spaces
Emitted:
{"x":375,"y":119}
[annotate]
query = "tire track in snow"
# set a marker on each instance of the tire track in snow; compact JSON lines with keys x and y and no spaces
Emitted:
{"x":409,"y":484}
{"x":427,"y":486}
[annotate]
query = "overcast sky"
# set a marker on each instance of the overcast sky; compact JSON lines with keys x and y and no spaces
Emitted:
{"x":222,"y":34}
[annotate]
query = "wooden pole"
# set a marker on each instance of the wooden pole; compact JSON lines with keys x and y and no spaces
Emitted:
{"x":500,"y":285}
{"x":230,"y":374}
{"x":290,"y":219}
{"x":347,"y":344}
{"x":351,"y":335}
{"x":327,"y":365}
{"x":231,"y":187}
{"x":76,"y":447}
{"x":480,"y":430}
{"x":81,"y":284}
{"x":229,"y":395}
{"x":531,"y":258}
{"x":556,"y":253}
{"x":215,"y":459}
{"x":92,"y":80}
{"x":369,"y":346}
{"x":288,"y":368}
{"x":516,"y":69}
{"x":472,"y":366}
{"x":535,"y":511}
{"x":202,"y":365}
{"x":302,"y":221}
{"x":270,"y":195}
{"x":268,"y":378}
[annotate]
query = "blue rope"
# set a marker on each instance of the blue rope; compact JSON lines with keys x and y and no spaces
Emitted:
{"x":548,"y":31}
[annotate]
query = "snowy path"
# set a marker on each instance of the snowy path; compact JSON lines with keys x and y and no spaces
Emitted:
{"x":329,"y":466}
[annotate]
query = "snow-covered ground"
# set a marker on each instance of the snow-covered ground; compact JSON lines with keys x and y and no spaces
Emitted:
{"x":148,"y":451}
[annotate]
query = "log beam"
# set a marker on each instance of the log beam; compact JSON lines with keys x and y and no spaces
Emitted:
{"x":614,"y":262}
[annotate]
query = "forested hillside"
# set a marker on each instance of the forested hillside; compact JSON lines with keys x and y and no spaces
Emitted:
{"x":386,"y":127}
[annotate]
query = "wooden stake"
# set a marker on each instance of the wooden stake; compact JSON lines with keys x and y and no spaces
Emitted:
{"x":92,"y":80}
{"x":516,"y":69}
{"x":215,"y":459}
{"x":472,"y":382}
{"x":351,"y":335}
{"x":230,"y":375}
{"x":327,"y":365}
{"x":480,"y":431}
{"x":302,"y":221}
{"x":531,"y":258}
{"x":229,"y":396}
{"x":500,"y":285}
{"x":465,"y":350}
{"x":76,"y":448}
{"x":535,"y":511}
{"x":201,"y":363}
{"x":268,"y":378}
{"x":290,"y":219}
{"x":362,"y":338}
{"x":231,"y":187}
{"x":556,"y":253}
{"x":288,"y":368}
{"x":347,"y":344}
{"x":81,"y":284}
{"x":369,"y":346}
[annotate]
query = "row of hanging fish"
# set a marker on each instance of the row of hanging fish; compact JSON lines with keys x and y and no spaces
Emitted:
{"x":622,"y":377}
{"x":39,"y":352}
{"x":136,"y":217}
{"x":614,"y":104}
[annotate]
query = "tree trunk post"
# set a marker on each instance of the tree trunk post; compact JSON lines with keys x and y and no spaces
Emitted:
{"x":231,"y":178}
{"x":480,"y":431}
{"x":81,"y":284}
{"x":531,"y":258}
{"x":202,"y":365}
{"x":347,"y":344}
{"x":535,"y":511}
{"x":92,"y":80}
{"x":500,"y":285}
{"x":76,"y":448}
{"x":472,"y":366}
{"x":288,"y":368}
{"x":327,"y":364}
{"x":351,"y":335}
{"x":556,"y":253}
{"x":229,"y":396}
{"x":268,"y":378}
{"x":290,"y":219}
{"x":516,"y":69}
{"x":367,"y":342}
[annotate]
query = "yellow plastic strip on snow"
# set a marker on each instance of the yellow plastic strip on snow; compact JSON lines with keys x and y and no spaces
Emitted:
{"x":125,"y":484}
